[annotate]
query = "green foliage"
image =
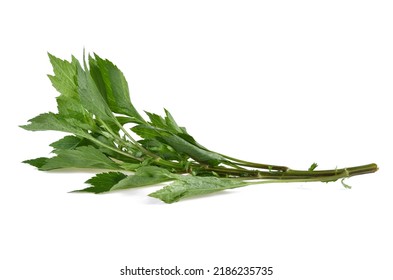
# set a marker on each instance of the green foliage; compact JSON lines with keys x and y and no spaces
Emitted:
{"x":105,"y":131}
{"x":37,"y":162}
{"x":190,"y":186}
{"x":113,"y":87}
{"x":81,"y":157}
{"x":103,"y":182}
{"x":144,"y":176}
{"x":69,"y":142}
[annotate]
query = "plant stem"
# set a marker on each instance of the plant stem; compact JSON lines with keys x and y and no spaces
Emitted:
{"x":115,"y":149}
{"x":291,"y":175}
{"x":256,"y":165}
{"x":318,"y":175}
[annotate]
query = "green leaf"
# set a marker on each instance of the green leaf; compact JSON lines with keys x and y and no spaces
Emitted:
{"x":182,"y":146}
{"x":162,"y":150}
{"x":91,"y":98}
{"x":51,"y":121}
{"x":69,"y":142}
{"x":72,"y":110}
{"x":113,"y":86}
{"x":168,"y":123}
{"x":172,"y":125}
{"x":144,"y":176}
{"x":37,"y":162}
{"x":146,"y":131}
{"x":109,"y":152}
{"x":156,"y":120}
{"x":124,"y":120}
{"x":64,"y":80}
{"x":103,"y":182}
{"x":130,"y":166}
{"x":190,"y":186}
{"x":169,"y":132}
{"x":179,"y":144}
{"x":81,"y":157}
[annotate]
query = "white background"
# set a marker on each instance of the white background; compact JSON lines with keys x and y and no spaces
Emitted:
{"x":281,"y":82}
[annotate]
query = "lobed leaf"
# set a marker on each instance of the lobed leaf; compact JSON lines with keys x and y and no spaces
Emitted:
{"x":91,"y":98}
{"x":113,"y":87}
{"x":171,"y":123}
{"x":64,"y":78}
{"x":103,"y":182}
{"x":65,"y":82}
{"x":81,"y":157}
{"x":51,"y":121}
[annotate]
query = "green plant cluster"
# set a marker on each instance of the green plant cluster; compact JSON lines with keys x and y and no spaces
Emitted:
{"x":105,"y":131}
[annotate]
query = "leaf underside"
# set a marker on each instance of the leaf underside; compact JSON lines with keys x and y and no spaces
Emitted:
{"x":191,"y":186}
